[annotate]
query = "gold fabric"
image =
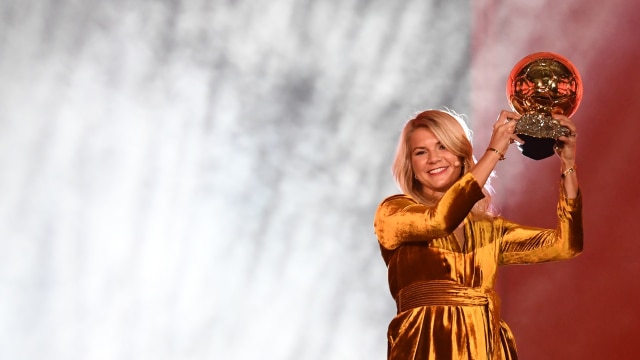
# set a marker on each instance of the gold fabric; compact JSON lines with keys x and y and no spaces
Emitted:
{"x":444,"y":286}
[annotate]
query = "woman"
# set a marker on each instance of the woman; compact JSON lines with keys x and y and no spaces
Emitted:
{"x":442,"y":244}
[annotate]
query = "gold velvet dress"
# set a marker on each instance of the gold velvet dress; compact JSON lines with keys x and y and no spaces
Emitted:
{"x":444,"y":291}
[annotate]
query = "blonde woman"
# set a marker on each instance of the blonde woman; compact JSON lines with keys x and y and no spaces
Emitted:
{"x":442,"y":243}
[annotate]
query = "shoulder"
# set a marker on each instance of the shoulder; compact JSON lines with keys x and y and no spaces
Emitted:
{"x":395,"y":204}
{"x":398,"y":197}
{"x":397,"y":200}
{"x":486,"y":216}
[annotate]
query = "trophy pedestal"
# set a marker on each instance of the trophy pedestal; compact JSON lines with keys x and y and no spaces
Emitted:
{"x":539,"y":131}
{"x":536,"y":148}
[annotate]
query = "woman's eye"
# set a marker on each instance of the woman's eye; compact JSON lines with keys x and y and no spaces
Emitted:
{"x":420,"y":152}
{"x":441,"y":147}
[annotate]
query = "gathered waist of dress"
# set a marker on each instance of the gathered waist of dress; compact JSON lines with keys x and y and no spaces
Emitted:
{"x":441,"y":293}
{"x":450,"y":293}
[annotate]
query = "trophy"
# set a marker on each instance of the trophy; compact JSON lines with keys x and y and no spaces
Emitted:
{"x":539,"y":85}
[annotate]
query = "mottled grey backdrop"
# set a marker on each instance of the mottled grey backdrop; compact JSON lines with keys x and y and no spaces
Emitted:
{"x":193,"y":179}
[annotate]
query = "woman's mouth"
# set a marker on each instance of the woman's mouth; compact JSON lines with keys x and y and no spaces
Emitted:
{"x":437,"y":170}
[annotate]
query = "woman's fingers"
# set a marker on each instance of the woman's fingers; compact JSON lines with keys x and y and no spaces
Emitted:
{"x":505,"y":117}
{"x":516,"y":139}
{"x":567,"y":123}
{"x":504,"y":131}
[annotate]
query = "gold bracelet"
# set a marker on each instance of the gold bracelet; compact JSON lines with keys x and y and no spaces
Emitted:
{"x":497,"y":152}
{"x":568,"y":171}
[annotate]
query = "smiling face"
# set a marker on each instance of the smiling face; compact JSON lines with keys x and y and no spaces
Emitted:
{"x":435,"y":167}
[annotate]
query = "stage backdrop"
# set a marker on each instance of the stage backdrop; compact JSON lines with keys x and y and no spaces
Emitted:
{"x":585,"y":308}
{"x":196,"y":179}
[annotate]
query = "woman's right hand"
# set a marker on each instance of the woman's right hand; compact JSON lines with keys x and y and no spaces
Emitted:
{"x":503,"y":135}
{"x":503,"y":131}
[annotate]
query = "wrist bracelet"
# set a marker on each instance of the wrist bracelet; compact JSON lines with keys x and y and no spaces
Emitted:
{"x":497,"y":152}
{"x":568,"y":171}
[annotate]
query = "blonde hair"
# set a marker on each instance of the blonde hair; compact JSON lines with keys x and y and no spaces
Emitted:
{"x":455,"y":135}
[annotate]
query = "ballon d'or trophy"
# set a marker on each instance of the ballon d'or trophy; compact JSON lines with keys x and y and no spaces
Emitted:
{"x":539,"y":85}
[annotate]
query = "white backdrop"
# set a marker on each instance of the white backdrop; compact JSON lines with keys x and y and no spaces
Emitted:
{"x":195,"y":179}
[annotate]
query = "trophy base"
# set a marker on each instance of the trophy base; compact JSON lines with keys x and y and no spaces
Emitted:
{"x":540,"y":126}
{"x":536,"y":148}
{"x":539,"y":132}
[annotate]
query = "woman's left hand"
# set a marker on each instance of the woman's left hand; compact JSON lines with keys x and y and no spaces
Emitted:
{"x":566,"y":145}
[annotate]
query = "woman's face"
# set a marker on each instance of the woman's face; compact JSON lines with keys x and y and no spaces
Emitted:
{"x":434,"y":166}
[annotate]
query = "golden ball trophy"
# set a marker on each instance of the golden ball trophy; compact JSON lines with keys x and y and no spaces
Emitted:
{"x":539,"y":85}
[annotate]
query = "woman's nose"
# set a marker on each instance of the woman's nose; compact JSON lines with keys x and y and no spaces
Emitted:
{"x":433,"y":158}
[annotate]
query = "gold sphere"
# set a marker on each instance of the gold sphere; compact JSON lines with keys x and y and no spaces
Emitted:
{"x":544,"y":82}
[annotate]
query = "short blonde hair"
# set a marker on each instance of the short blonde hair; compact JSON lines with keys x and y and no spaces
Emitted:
{"x":453,"y":133}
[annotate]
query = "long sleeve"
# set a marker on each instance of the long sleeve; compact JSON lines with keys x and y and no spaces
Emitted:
{"x":400,"y":218}
{"x":525,"y":245}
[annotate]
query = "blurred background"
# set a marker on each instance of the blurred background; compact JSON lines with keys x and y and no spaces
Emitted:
{"x":196,"y":179}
